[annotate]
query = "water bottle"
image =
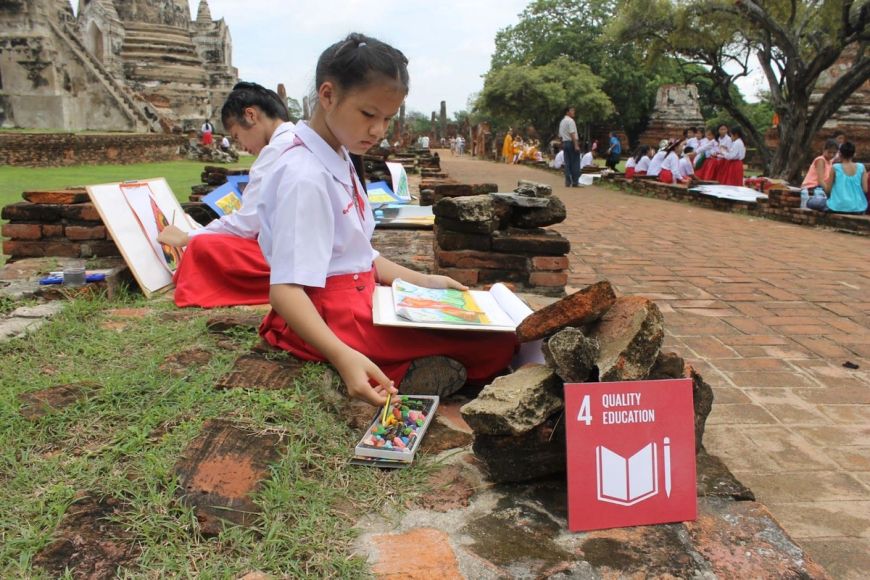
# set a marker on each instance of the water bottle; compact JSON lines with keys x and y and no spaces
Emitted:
{"x":805,"y":196}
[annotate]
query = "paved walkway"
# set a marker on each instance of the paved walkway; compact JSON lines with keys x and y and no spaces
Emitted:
{"x":768,"y":313}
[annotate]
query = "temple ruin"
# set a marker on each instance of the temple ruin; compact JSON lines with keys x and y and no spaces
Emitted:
{"x":677,"y":108}
{"x":118,"y":65}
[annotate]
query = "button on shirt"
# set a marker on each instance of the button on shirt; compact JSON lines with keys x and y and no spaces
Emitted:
{"x":566,"y":128}
{"x":244,"y":222}
{"x":314,"y":224}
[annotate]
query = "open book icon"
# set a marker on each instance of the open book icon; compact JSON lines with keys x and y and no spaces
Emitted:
{"x":626,"y":481}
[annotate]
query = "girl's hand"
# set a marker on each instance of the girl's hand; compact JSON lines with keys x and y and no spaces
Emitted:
{"x":437,"y":281}
{"x":357,"y":371}
{"x":173,"y":236}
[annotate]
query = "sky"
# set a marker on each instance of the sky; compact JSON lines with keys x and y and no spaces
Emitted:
{"x":448,"y":42}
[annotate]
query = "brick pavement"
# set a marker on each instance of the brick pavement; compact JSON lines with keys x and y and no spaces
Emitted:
{"x":768,"y":312}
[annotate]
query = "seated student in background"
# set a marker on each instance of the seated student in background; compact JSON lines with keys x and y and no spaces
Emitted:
{"x":691,"y":138}
{"x":846,"y":186}
{"x":670,"y":172}
{"x":819,"y":172}
{"x":655,"y":164}
{"x":642,"y":158}
{"x":630,"y":164}
{"x":707,"y":147}
{"x":559,"y":161}
{"x":588,"y":159}
{"x":687,"y":164}
{"x":223,"y":264}
{"x":730,"y":171}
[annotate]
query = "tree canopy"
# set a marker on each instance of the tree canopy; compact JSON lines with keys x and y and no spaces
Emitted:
{"x":537,"y":95}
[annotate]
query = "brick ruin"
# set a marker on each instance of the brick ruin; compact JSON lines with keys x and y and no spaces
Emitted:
{"x":677,"y":108}
{"x":62,"y":149}
{"x":132,"y":65}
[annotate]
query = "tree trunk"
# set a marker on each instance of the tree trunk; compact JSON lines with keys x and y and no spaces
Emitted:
{"x":794,"y":152}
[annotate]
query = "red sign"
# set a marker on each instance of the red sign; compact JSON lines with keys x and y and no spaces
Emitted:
{"x":631,"y":453}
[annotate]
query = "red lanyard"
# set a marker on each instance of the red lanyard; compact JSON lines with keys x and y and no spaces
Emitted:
{"x":358,"y":200}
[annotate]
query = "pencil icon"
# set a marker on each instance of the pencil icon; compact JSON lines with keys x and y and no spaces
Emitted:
{"x":667,"y":454}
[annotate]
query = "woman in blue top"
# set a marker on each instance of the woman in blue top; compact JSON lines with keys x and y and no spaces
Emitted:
{"x":847,"y":185}
{"x":614,"y":151}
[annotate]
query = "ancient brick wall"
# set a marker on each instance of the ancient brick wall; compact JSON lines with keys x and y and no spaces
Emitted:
{"x":62,"y":149}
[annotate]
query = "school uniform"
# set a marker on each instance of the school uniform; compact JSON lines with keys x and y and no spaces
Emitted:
{"x":707,"y":148}
{"x":316,"y":228}
{"x":629,"y":167}
{"x":655,"y":164}
{"x":587,"y":161}
{"x":642,"y":165}
{"x":716,"y":163}
{"x":693,"y":143}
{"x":686,"y":168}
{"x":223,"y":264}
{"x":730,"y":170}
{"x":670,"y":171}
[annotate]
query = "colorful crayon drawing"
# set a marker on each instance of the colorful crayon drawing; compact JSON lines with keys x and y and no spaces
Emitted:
{"x":420,"y":304}
{"x":151,"y":221}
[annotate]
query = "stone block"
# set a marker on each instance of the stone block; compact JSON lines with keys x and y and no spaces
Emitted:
{"x":487,"y":276}
{"x":62,"y":196}
{"x":450,"y":240}
{"x":52,"y":231}
{"x":427,"y":197}
{"x":83,"y":212}
{"x":572,"y":355}
{"x":551,"y":279}
{"x":85,"y":232}
{"x":467,"y":276}
{"x":24,"y":211}
{"x":485,"y":228}
{"x":541,"y":189}
{"x":549,"y":263}
{"x":536,"y":454}
{"x":38,"y":404}
{"x":476,"y":208}
{"x":582,"y":307}
{"x":22,"y":231}
{"x":535,"y":217}
{"x":630,"y":335}
{"x":39,"y":249}
{"x":520,"y":200}
{"x":452,"y":190}
{"x":475,"y":259}
{"x":535,"y":242}
{"x":516,"y":403}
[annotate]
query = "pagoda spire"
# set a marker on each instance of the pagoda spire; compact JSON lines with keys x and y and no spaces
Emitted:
{"x":203,"y":14}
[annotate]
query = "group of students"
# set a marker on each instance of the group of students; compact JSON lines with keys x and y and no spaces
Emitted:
{"x":515,"y":150}
{"x":708,"y":157}
{"x":302,"y":239}
{"x":834,"y":182}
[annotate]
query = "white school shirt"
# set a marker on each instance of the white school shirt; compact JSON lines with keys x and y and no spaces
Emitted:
{"x":655,"y":164}
{"x":643,"y":164}
{"x":723,"y":144}
{"x":311,"y":227}
{"x":708,"y":146}
{"x":692,"y":142}
{"x":587,"y":160}
{"x":672,"y":164}
{"x":630,"y":163}
{"x":559,"y":161}
{"x":737,"y":150}
{"x":686,"y":167}
{"x":244,"y":222}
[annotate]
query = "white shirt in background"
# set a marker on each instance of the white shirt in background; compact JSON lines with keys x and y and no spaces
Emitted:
{"x":737,"y":150}
{"x":655,"y":164}
{"x":587,"y":160}
{"x":686,"y":167}
{"x":642,"y":164}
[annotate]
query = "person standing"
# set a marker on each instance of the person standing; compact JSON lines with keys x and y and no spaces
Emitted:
{"x":614,"y":151}
{"x":207,"y":131}
{"x":571,"y":147}
{"x":507,"y":148}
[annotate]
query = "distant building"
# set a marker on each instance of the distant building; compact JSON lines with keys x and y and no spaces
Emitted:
{"x":119,"y":65}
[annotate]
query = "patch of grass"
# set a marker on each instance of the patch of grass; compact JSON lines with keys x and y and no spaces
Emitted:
{"x":181,"y":176}
{"x":123,"y":440}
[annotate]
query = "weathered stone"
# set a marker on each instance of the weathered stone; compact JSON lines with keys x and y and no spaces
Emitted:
{"x":541,"y":189}
{"x":572,"y":355}
{"x":520,"y":200}
{"x":185,"y":362}
{"x":221,"y":469}
{"x":89,"y":542}
{"x":442,"y":436}
{"x":535,"y":454}
{"x":225,"y":322}
{"x":629,"y":335}
{"x":56,"y":196}
{"x":475,"y":259}
{"x":467,"y":227}
{"x":476,"y":208}
{"x":516,"y":403}
{"x":447,"y":489}
{"x":535,"y":217}
{"x":716,"y":480}
{"x":582,"y":307}
{"x":535,"y":242}
{"x":671,"y":366}
{"x":676,"y":107}
{"x":449,"y":240}
{"x":433,"y":555}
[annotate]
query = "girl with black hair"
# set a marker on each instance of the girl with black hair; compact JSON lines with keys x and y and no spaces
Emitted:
{"x":642,"y":159}
{"x":846,"y":186}
{"x":223,"y":264}
{"x":316,"y":236}
{"x":730,"y":170}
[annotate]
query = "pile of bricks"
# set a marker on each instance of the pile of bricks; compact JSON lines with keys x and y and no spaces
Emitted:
{"x":483,"y":237}
{"x":62,"y":223}
{"x":212,"y":178}
{"x":782,"y":197}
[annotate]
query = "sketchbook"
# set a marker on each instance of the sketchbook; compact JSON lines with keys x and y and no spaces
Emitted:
{"x":405,"y":304}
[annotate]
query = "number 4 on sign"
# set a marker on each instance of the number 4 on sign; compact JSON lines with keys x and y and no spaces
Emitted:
{"x":585,"y":414}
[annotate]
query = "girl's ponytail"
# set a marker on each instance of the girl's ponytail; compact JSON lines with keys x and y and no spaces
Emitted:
{"x":246,"y":95}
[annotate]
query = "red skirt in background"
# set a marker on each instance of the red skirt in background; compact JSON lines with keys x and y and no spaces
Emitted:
{"x":709,"y":170}
{"x":730,"y":172}
{"x":221,"y":270}
{"x":345,"y":304}
{"x":207,"y":138}
{"x":666,"y":176}
{"x":629,"y":173}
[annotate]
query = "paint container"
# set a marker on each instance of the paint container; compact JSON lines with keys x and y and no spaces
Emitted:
{"x":74,"y":274}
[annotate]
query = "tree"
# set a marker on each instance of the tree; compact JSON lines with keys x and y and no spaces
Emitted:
{"x":294,"y":108}
{"x":792,"y":41}
{"x":537,"y":95}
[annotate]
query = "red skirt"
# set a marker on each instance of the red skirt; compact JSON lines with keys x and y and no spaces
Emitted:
{"x":666,"y":176}
{"x":221,"y":270}
{"x":709,"y":170}
{"x":629,"y":173}
{"x":206,"y":138}
{"x":730,"y":172}
{"x":640,"y":172}
{"x":346,"y":307}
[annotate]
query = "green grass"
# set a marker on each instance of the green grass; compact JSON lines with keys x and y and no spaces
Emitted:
{"x":180,"y":175}
{"x":123,"y":440}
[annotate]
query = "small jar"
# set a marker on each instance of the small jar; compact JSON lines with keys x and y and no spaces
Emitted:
{"x":74,"y":273}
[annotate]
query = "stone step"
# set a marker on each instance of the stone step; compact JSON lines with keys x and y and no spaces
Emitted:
{"x":158,"y":72}
{"x":158,"y":47}
{"x":155,"y":29}
{"x":142,"y":56}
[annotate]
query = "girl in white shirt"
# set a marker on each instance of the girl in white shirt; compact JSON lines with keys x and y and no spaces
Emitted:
{"x":687,"y":164}
{"x":587,"y":160}
{"x":316,"y":235}
{"x":731,"y":166}
{"x":643,"y":157}
{"x":670,"y":172}
{"x":222,"y":264}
